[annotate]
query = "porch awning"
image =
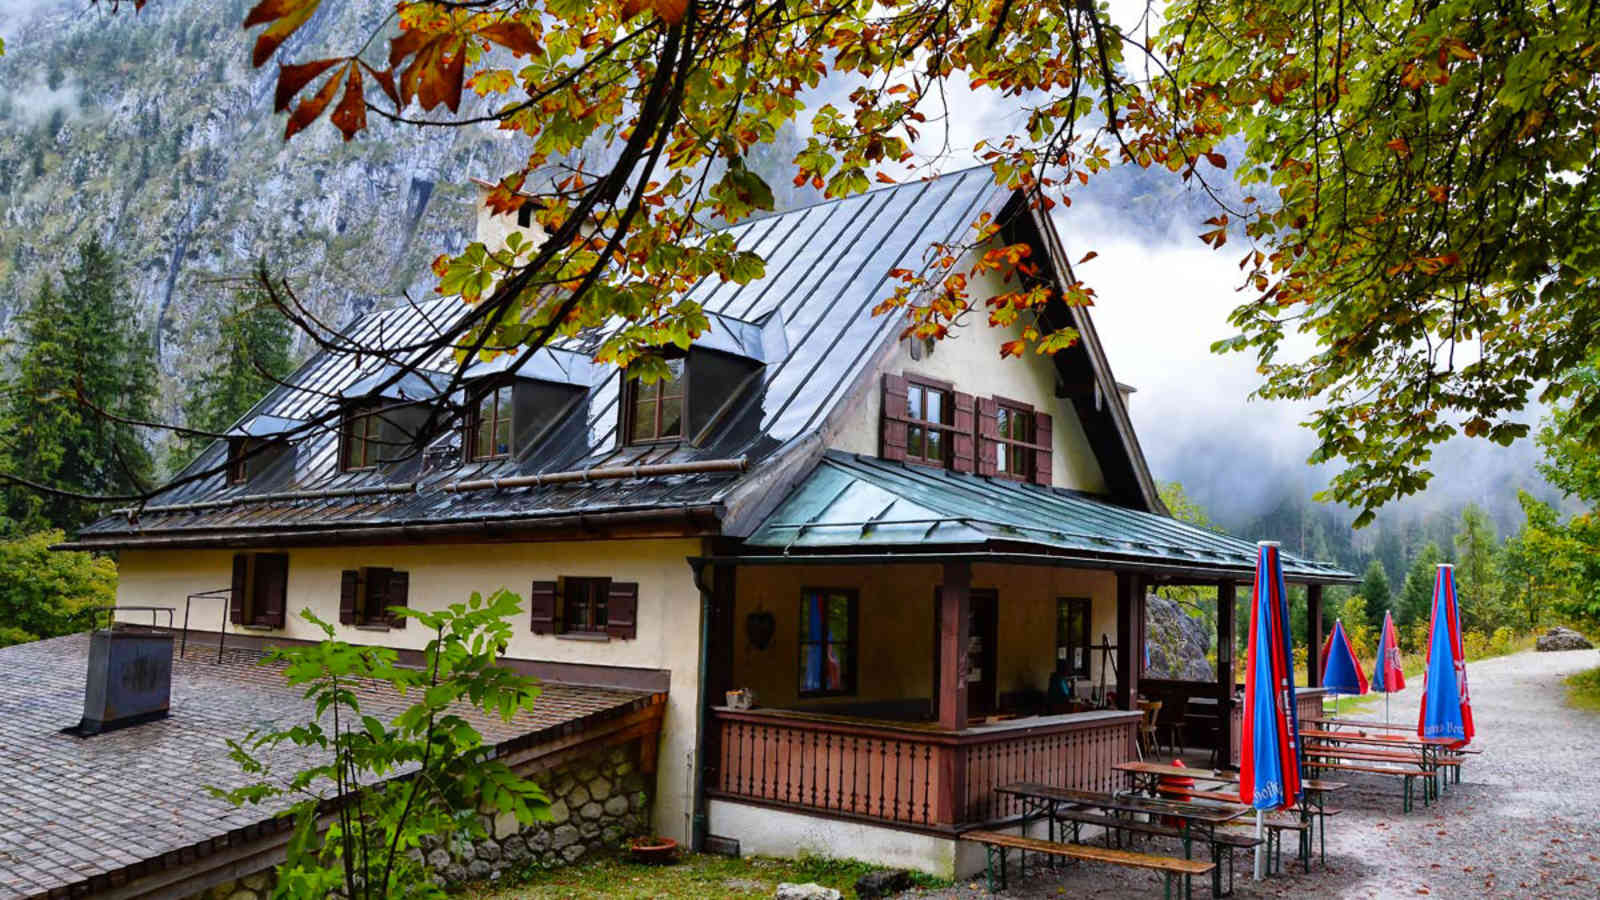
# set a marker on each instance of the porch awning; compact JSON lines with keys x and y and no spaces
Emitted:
{"x":858,"y":503}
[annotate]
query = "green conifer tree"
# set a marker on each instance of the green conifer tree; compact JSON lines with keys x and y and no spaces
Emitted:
{"x":81,"y":336}
{"x":250,"y":352}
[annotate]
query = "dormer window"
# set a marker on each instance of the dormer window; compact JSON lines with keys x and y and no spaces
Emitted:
{"x":246,"y":456}
{"x":655,"y":411}
{"x":489,"y":428}
{"x":360,"y":439}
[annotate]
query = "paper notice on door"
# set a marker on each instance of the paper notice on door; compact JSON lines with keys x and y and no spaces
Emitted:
{"x":975,"y":675}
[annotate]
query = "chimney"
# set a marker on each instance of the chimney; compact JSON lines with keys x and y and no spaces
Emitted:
{"x":130,"y":678}
{"x":493,"y":229}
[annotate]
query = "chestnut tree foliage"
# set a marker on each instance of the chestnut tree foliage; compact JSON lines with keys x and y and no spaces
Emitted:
{"x":1423,"y":201}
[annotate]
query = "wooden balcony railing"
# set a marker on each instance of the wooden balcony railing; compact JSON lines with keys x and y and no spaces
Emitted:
{"x":911,"y":775}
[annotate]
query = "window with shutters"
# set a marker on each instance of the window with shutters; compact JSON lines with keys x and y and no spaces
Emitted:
{"x":260,"y":589}
{"x":368,"y":596}
{"x":585,"y":608}
{"x":1013,"y":445}
{"x":1014,"y":441}
{"x":655,"y":411}
{"x":489,"y":424}
{"x":359,"y":436}
{"x":927,"y":422}
{"x":827,"y":642}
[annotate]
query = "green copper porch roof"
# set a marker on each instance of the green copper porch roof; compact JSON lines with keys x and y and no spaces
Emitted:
{"x":858,"y":503}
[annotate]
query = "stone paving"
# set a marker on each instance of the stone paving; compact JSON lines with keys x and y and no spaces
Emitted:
{"x":73,"y":809}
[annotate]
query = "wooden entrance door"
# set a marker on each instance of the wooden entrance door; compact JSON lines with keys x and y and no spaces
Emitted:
{"x":982,"y":626}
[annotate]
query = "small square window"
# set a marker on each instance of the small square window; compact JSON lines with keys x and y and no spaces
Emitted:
{"x":584,"y":605}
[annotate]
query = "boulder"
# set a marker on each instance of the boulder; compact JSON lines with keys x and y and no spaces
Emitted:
{"x":1559,"y":638}
{"x":808,"y":891}
{"x":883,"y":883}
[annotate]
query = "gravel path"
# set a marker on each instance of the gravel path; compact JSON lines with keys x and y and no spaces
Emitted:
{"x":1521,"y":824}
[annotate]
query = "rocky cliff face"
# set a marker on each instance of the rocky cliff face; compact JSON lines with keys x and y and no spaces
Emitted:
{"x":152,"y":131}
{"x":1178,"y":642}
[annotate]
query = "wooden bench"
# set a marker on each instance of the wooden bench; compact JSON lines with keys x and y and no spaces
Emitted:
{"x":1409,"y":773}
{"x":1222,"y":843}
{"x":997,"y":844}
{"x":1442,"y":766}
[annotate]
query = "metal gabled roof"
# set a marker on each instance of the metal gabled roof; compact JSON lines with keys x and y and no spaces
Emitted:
{"x":855,"y":503}
{"x":810,"y":318}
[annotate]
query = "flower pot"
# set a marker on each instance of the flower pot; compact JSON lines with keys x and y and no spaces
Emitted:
{"x":652,"y":850}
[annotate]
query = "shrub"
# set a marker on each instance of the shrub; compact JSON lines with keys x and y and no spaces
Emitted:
{"x":1475,"y":644}
{"x":1501,"y":642}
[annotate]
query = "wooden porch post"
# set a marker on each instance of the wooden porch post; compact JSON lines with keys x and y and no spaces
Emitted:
{"x":1313,"y":635}
{"x":955,"y":614}
{"x":955,"y":618}
{"x":1130,"y":637}
{"x":1227,"y":596}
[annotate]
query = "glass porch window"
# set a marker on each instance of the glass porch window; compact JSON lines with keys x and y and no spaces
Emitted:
{"x":491,"y":434}
{"x":1014,"y":451}
{"x":1072,"y":636}
{"x":827,"y":642}
{"x":932,"y":407}
{"x":655,"y":411}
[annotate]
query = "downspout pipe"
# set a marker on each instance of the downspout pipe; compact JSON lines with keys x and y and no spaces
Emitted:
{"x":700,"y":825}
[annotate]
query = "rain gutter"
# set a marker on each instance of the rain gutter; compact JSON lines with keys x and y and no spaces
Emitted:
{"x":1071,"y":560}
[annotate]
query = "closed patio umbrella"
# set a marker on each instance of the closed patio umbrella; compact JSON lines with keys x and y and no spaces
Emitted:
{"x":1341,"y":673}
{"x":1446,"y":708}
{"x":1269,"y":753}
{"x":1387,"y":674}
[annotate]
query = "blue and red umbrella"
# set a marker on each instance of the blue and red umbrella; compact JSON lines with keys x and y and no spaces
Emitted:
{"x":1269,"y":755}
{"x":1341,"y":673}
{"x":1387,"y":674}
{"x":1446,"y":708}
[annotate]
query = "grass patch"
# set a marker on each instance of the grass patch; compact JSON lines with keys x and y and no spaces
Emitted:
{"x":1583,"y":689}
{"x":696,"y":875}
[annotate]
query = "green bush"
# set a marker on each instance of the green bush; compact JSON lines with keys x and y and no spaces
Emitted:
{"x":1502,"y":641}
{"x":42,"y":592}
{"x":1475,"y":644}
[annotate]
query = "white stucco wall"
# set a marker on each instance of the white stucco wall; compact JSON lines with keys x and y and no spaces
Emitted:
{"x":668,"y":623}
{"x":970,"y":358}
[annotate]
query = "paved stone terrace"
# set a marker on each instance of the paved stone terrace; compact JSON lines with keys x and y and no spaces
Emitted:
{"x":73,"y":809}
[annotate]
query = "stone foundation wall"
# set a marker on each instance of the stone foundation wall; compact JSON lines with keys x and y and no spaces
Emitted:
{"x":594,"y":804}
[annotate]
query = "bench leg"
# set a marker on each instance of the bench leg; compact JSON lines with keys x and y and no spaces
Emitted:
{"x":1168,"y":882}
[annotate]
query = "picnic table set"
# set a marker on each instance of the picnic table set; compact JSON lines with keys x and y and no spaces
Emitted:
{"x":1278,"y":754}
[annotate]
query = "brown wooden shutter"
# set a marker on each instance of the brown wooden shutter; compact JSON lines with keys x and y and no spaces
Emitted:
{"x":272,"y":588}
{"x":894,"y":416}
{"x":1042,"y":443}
{"x":961,"y":458}
{"x":241,"y":583}
{"x":622,"y":609}
{"x":542,"y":607}
{"x":399,"y":594}
{"x":349,"y":596}
{"x":988,"y":429}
